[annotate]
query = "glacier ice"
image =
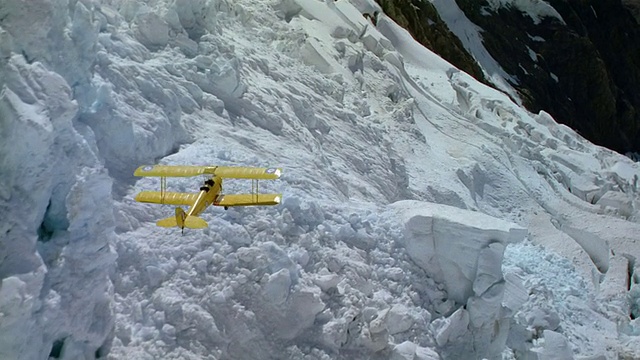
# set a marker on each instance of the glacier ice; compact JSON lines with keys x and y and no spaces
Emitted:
{"x":535,"y":256}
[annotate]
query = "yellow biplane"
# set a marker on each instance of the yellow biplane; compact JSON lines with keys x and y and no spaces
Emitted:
{"x":210,"y":192}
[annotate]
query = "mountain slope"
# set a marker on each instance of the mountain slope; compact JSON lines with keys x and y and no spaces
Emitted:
{"x":425,"y":215}
{"x":578,"y":61}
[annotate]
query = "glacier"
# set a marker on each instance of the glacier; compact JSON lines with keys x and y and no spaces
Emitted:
{"x":425,"y":215}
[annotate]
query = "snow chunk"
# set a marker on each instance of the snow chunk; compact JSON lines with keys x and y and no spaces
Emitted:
{"x":515,"y":294}
{"x":454,"y":246}
{"x":617,"y":200}
{"x":151,"y":30}
{"x":410,"y":351}
{"x":463,"y":250}
{"x":555,"y":347}
{"x":595,"y":246}
{"x":398,"y":319}
{"x":277,"y":288}
{"x":314,"y":54}
{"x":489,"y":268}
{"x":327,"y":282}
{"x":627,"y":170}
{"x":452,"y":328}
{"x":18,"y":300}
{"x":297,"y":314}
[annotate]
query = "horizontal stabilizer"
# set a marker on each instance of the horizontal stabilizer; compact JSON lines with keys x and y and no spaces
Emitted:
{"x":168,"y":222}
{"x":192,"y":222}
{"x":247,"y":199}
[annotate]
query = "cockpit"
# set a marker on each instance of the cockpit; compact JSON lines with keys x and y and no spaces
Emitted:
{"x":208,"y":184}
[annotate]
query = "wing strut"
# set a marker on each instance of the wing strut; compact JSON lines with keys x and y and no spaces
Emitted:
{"x":163,"y":188}
{"x":254,"y":189}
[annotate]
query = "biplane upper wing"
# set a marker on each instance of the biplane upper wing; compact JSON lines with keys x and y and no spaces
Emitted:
{"x":243,"y":172}
{"x":171,"y":170}
{"x":166,"y":197}
{"x":247,"y":199}
{"x":236,"y":172}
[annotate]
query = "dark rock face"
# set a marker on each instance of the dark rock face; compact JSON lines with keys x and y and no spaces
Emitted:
{"x":421,"y":19}
{"x":583,"y":69}
{"x":634,"y":7}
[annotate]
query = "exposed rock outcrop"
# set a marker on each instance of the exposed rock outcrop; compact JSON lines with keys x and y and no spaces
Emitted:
{"x":634,"y":7}
{"x":421,"y":19}
{"x":581,"y":66}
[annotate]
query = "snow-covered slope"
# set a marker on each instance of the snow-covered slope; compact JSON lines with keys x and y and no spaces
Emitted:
{"x":425,"y":215}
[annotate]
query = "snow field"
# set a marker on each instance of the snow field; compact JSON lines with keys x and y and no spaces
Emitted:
{"x":360,"y":118}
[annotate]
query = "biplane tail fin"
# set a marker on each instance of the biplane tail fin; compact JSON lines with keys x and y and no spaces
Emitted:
{"x":182,"y":220}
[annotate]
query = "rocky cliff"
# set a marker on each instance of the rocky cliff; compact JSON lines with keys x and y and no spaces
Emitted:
{"x":425,"y":25}
{"x":634,"y":7}
{"x":582,"y":66}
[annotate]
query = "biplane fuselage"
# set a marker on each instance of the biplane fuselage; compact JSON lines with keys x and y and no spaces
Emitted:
{"x":210,"y":192}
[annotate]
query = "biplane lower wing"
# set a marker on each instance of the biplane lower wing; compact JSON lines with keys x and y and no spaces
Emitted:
{"x":247,"y":199}
{"x":234,"y":172}
{"x":167,"y":197}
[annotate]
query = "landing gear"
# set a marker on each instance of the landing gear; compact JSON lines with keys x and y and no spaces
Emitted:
{"x":226,"y":208}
